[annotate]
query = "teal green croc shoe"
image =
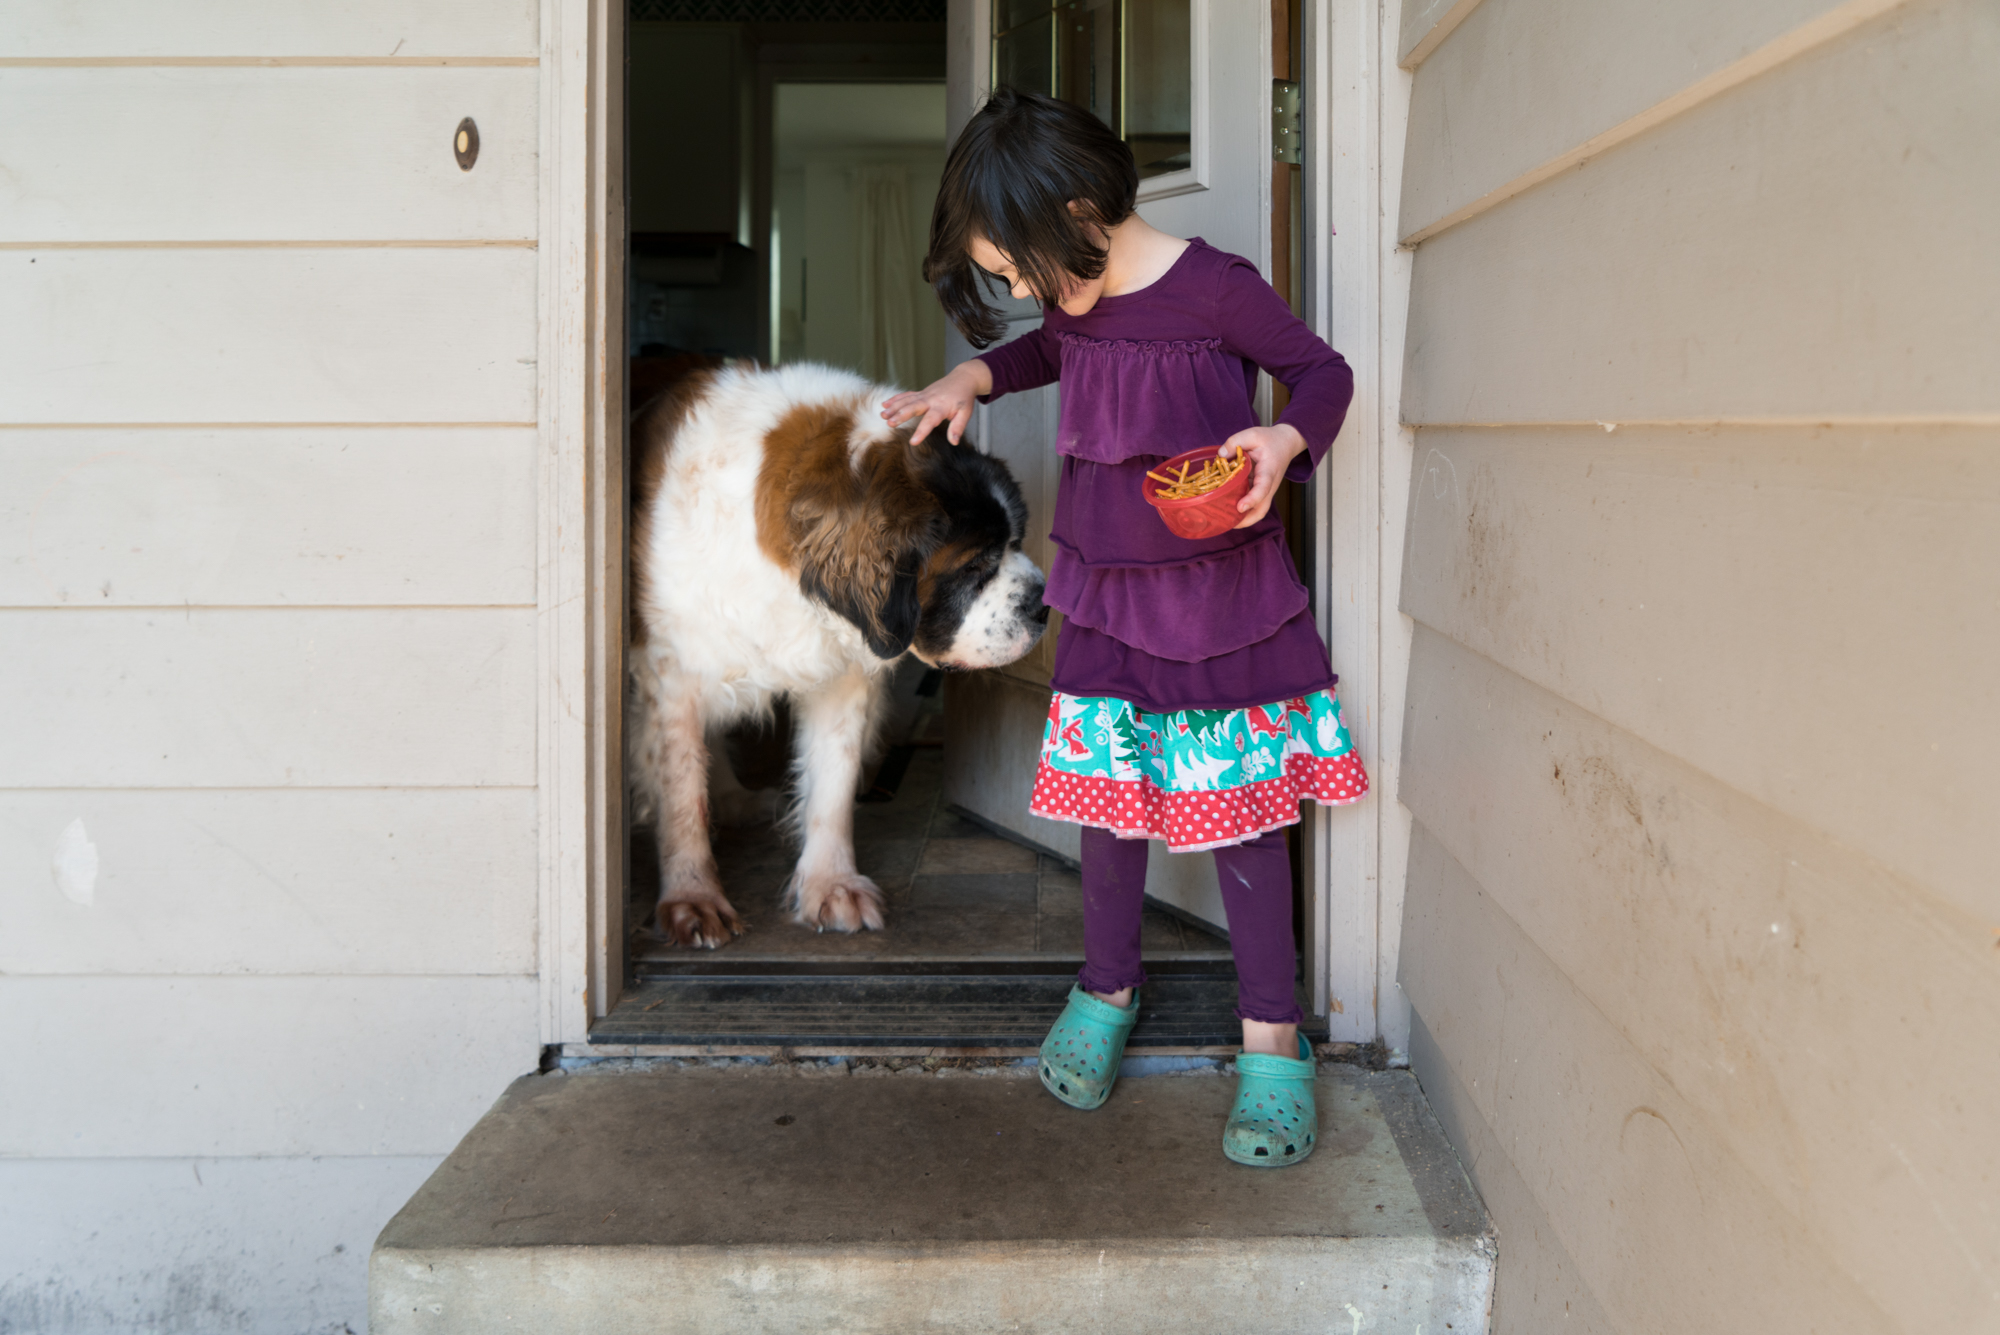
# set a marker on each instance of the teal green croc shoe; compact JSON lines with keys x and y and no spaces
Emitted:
{"x":1081,"y":1054}
{"x":1275,"y":1121}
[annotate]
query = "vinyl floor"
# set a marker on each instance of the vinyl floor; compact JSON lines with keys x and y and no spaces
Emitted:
{"x":955,"y":892}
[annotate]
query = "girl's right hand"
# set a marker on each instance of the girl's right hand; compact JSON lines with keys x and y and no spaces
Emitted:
{"x":949,"y":401}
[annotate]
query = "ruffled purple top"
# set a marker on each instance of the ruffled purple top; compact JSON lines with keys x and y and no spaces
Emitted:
{"x":1163,"y":621}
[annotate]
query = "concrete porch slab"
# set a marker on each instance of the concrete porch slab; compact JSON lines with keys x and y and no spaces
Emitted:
{"x":807,"y":1198}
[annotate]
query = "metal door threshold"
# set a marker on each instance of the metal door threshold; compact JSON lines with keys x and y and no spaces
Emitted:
{"x":984,"y":1009}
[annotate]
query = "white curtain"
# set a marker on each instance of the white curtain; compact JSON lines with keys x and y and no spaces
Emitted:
{"x":891,"y":277}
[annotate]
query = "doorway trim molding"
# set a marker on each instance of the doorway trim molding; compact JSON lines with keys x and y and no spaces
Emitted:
{"x":1356,"y":290}
{"x":580,"y":579}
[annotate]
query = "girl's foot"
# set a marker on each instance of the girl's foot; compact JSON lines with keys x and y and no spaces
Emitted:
{"x":1275,"y":1121}
{"x":1081,"y":1054}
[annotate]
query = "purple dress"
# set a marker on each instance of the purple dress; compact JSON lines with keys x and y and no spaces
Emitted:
{"x":1166,"y":622}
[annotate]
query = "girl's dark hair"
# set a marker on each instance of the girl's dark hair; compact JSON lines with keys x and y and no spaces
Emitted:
{"x":1010,"y":179}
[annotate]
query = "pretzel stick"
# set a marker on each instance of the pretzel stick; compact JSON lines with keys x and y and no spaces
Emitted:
{"x":1215,"y":472}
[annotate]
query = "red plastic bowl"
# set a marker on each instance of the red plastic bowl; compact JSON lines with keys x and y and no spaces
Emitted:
{"x":1201,"y":516}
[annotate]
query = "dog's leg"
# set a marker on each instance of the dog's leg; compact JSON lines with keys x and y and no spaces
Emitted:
{"x":693,"y":909}
{"x":827,"y":890}
{"x":728,"y":800}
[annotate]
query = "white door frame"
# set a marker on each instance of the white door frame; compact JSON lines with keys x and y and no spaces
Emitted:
{"x":1357,"y":288}
{"x":580,"y":593}
{"x":1356,"y":285}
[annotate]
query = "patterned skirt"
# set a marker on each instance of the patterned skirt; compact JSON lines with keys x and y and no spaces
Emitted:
{"x":1197,"y":778}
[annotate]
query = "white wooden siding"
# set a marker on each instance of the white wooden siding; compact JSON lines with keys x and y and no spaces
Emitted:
{"x":1699,"y":726}
{"x":1671,"y":1231}
{"x":262,"y":881}
{"x":231,"y":698}
{"x":1539,"y":1286}
{"x":1746,"y":957}
{"x":1763,"y":604}
{"x":262,"y":517}
{"x":258,"y":335}
{"x":269,"y":154}
{"x":252,"y":1244}
{"x":1528,"y":81}
{"x":232,"y":1067}
{"x":1820,"y":244}
{"x":355,"y":30}
{"x":271,"y":586}
{"x":1424,"y":24}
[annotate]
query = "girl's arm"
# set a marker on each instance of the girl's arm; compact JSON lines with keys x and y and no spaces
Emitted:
{"x":1030,"y":361}
{"x":1255,"y":323}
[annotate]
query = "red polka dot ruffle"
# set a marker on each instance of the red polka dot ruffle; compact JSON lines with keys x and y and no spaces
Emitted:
{"x":1192,"y":821}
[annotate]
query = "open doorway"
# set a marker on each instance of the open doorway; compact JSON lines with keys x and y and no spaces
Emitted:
{"x":781,"y":180}
{"x":855,"y":166}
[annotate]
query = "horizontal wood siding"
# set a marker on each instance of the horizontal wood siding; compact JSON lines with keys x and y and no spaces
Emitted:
{"x":354,"y":30}
{"x":1745,"y":956}
{"x":269,"y":583}
{"x":236,"y":698}
{"x":192,"y":1244}
{"x":261,"y":517}
{"x":1700,"y":726}
{"x":176,"y":337}
{"x":266,"y":881}
{"x":1525,"y":81}
{"x":1541,"y":1287}
{"x":275,"y":154}
{"x":1669,"y":1230}
{"x":173,"y":1067}
{"x":1724,"y":593}
{"x":1425,"y":24}
{"x":1819,"y":244}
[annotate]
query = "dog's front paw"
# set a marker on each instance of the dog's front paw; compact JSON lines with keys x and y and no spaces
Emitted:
{"x":746,"y":806}
{"x":840,"y":903}
{"x":706,"y":922}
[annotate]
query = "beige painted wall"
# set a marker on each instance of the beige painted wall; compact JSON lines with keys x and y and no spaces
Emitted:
{"x":268,"y":589}
{"x":1702,"y":737}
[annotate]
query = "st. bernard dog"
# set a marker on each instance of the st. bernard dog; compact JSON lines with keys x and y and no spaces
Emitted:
{"x":788,"y":541}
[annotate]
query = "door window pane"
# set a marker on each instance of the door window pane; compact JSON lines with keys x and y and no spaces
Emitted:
{"x":1088,"y":56}
{"x":1127,"y":62}
{"x":1159,"y":85}
{"x":1013,"y":13}
{"x":1022,"y":57}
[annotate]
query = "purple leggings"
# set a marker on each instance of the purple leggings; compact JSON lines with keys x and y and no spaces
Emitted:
{"x":1256,"y":883}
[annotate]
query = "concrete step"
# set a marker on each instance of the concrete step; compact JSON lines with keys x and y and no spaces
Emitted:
{"x":705,"y":1197}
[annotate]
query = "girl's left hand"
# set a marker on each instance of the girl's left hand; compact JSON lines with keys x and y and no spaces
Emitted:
{"x":1270,"y":450}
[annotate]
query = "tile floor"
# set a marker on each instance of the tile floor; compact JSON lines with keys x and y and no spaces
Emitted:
{"x":954,"y":890}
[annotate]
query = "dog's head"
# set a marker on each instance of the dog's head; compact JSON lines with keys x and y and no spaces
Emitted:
{"x":919,"y":546}
{"x":980,"y":597}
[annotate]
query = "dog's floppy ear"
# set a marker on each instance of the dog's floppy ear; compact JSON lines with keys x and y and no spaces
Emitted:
{"x":861,"y":539}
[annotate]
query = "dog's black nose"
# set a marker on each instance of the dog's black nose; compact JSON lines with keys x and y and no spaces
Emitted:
{"x":1042,"y":615}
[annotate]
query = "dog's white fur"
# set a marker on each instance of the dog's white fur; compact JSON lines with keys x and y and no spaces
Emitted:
{"x":728,"y":630}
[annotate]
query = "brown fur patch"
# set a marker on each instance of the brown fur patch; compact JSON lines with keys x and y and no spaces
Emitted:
{"x":845,"y":526}
{"x":653,"y":433}
{"x":805,"y":453}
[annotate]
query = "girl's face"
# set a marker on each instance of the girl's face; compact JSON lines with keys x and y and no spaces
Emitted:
{"x":1078,"y":296}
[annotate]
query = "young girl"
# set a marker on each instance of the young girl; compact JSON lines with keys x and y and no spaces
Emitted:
{"x":1193,"y":700}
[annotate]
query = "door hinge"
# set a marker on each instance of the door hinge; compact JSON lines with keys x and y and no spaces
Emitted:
{"x":1288,"y":121}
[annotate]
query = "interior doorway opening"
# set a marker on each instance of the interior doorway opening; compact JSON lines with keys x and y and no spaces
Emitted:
{"x":781,"y":177}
